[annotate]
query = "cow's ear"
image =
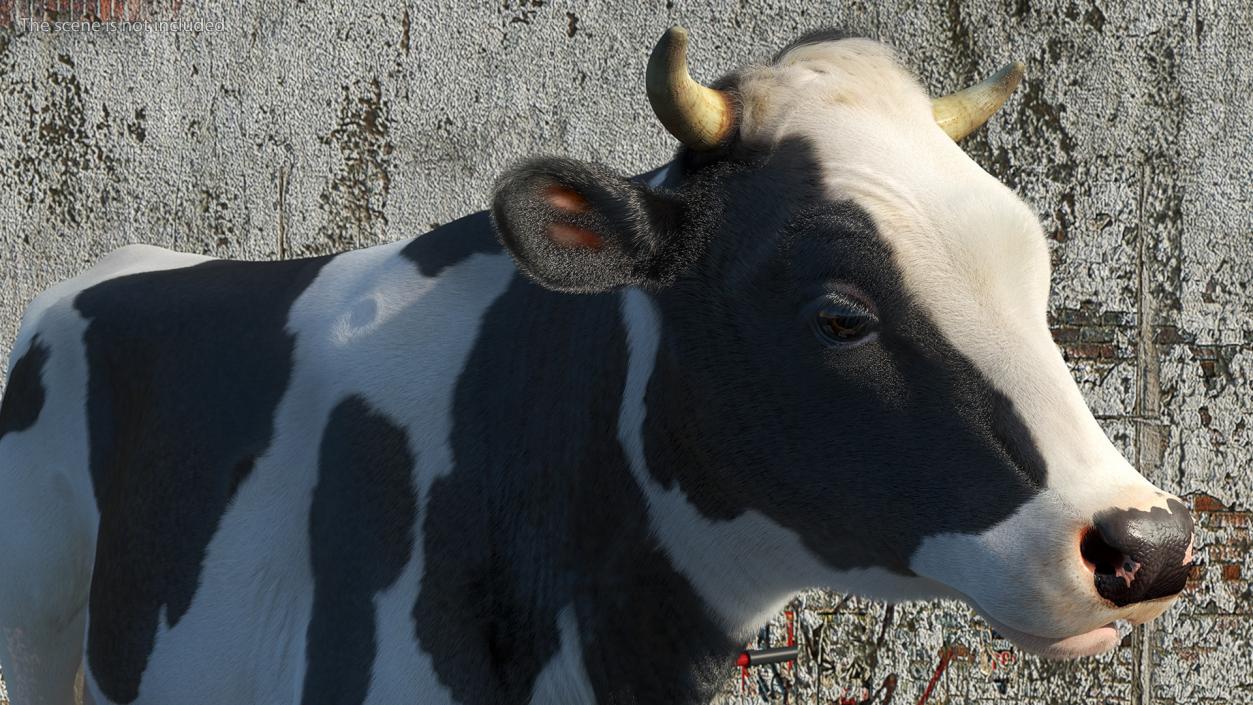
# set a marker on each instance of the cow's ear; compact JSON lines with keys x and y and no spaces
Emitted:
{"x":579,"y":227}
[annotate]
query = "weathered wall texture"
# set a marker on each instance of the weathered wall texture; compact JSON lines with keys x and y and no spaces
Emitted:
{"x":304,"y":129}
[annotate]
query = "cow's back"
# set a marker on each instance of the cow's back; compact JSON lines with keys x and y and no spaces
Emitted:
{"x":224,"y":427}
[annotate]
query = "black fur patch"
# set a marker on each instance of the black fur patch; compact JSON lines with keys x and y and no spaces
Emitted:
{"x":186,"y":368}
{"x":24,"y":396}
{"x":451,"y":244}
{"x":862,"y":452}
{"x":361,"y":536}
{"x":541,"y":512}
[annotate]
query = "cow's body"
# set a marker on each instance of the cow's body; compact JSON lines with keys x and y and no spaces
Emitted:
{"x":427,"y":471}
{"x":302,"y":478}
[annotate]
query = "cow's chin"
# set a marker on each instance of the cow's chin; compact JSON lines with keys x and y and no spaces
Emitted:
{"x":1097,"y":641}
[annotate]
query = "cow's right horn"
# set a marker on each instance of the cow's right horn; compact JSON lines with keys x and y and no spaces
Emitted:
{"x":699,"y":116}
{"x":963,"y":112}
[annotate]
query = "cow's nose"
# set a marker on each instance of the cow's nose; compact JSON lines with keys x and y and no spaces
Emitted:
{"x":1139,"y":555}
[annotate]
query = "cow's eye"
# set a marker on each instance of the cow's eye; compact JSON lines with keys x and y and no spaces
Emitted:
{"x":842,"y":320}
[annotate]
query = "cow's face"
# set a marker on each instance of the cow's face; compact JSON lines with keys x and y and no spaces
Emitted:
{"x":853,"y":347}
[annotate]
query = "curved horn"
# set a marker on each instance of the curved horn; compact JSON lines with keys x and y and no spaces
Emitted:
{"x":961,"y":113}
{"x":700,"y":117}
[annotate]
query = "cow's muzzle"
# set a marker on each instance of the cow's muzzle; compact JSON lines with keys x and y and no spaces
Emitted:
{"x":1136,"y":555}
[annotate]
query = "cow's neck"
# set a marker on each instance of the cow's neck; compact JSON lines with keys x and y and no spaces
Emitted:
{"x":539,"y":546}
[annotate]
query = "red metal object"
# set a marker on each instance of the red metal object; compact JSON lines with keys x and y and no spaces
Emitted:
{"x":945,"y":656}
{"x":791,"y":634}
{"x":764,"y":657}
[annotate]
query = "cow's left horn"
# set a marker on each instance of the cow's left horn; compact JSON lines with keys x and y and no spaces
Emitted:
{"x":961,"y":113}
{"x":699,"y":116}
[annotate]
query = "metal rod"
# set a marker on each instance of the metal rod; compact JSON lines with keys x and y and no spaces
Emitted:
{"x":763,"y":657}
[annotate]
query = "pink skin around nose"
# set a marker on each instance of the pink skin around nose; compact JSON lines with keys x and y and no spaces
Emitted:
{"x":1127,"y":571}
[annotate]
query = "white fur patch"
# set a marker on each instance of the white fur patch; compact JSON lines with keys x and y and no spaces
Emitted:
{"x":401,"y":669}
{"x":564,"y":680}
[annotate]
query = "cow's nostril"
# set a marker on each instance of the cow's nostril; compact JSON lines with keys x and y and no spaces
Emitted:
{"x":1099,"y":556}
{"x":1138,"y":555}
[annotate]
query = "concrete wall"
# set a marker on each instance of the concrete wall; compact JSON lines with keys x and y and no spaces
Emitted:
{"x":299,"y":128}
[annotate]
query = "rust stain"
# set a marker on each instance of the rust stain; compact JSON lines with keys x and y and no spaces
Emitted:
{"x":404,"y":34}
{"x":354,"y":200}
{"x":215,"y":211}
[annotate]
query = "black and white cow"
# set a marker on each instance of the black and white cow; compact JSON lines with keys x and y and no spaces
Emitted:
{"x":576,"y":450}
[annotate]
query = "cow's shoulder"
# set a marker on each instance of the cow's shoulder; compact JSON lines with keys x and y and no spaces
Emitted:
{"x":425,"y":295}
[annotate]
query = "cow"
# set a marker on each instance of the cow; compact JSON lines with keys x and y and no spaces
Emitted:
{"x":578,"y":447}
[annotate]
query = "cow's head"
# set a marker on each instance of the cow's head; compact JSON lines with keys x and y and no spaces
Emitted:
{"x":852,"y":349}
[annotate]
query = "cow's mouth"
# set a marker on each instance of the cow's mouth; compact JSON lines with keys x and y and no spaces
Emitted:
{"x":1097,"y":641}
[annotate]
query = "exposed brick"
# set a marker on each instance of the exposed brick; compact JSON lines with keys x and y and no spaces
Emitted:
{"x":1230,"y":519}
{"x":1096,"y":334}
{"x":1171,"y":335}
{"x":1089,"y":313}
{"x":1066,"y":334}
{"x":23,"y":11}
{"x":1207,"y":503}
{"x":1095,"y":351}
